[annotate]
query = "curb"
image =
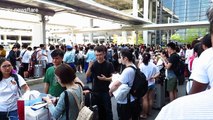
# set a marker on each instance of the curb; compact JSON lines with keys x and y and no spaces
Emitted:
{"x":34,"y":81}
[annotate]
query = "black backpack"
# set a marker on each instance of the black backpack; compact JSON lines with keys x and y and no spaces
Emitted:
{"x":140,"y":84}
{"x":179,"y":69}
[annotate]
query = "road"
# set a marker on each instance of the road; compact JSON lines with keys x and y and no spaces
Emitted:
{"x":152,"y":116}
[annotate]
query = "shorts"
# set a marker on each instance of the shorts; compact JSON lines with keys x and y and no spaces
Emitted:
{"x":151,"y":87}
{"x":171,"y":84}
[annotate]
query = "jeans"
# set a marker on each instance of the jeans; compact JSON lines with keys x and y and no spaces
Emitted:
{"x":103,"y":101}
{"x":12,"y":115}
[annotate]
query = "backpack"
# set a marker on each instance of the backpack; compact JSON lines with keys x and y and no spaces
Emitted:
{"x":34,"y":57}
{"x":179,"y":69}
{"x":140,"y":84}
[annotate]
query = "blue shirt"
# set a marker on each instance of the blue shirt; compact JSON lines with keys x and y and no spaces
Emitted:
{"x":69,"y":57}
{"x":90,"y":56}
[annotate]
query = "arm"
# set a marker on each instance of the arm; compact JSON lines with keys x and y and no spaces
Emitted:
{"x":88,"y":73}
{"x":115,"y":86}
{"x":167,"y":64}
{"x":155,"y":76}
{"x":197,"y":87}
{"x":103,"y":77}
{"x":25,"y":87}
{"x":46,"y":88}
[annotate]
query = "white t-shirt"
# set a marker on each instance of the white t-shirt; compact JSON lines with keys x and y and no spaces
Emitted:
{"x":25,"y":56}
{"x":127,"y":77}
{"x":9,"y":93}
{"x":191,"y":107}
{"x":149,"y":70}
{"x":203,"y":72}
{"x":188,"y":54}
{"x":50,"y":60}
{"x":42,"y":53}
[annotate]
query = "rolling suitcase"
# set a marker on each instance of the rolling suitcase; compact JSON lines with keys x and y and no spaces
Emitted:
{"x":38,"y":71}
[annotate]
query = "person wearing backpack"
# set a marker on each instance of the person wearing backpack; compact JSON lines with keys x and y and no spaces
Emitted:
{"x":171,"y":64}
{"x":127,"y":110}
{"x":10,"y":86}
{"x":151,"y":72}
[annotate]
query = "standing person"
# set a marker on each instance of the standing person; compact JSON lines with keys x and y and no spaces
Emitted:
{"x":101,"y":71}
{"x":9,"y":90}
{"x":42,"y":57}
{"x":51,"y":85}
{"x":66,"y":77}
{"x":127,"y":110}
{"x":202,"y":74}
{"x":151,"y":72}
{"x":170,"y":65}
{"x":25,"y":60}
{"x":89,"y":57}
{"x":2,"y":51}
{"x":12,"y":57}
{"x":50,"y":60}
{"x":69,"y":56}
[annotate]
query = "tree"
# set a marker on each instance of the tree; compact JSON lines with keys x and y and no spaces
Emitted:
{"x":176,"y":37}
{"x":191,"y":35}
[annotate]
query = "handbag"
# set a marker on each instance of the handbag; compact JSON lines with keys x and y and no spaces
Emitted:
{"x":84,"y":112}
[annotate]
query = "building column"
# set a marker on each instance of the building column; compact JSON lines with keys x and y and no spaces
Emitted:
{"x":150,"y":10}
{"x":136,"y":37}
{"x":43,"y":22}
{"x":5,"y":39}
{"x":19,"y":40}
{"x":145,"y":37}
{"x":91,"y":34}
{"x":37,"y":36}
{"x":146,"y":17}
{"x":135,"y":8}
{"x":124,"y":37}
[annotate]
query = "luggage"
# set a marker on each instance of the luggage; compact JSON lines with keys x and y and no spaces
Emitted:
{"x":38,"y":70}
{"x":159,"y":96}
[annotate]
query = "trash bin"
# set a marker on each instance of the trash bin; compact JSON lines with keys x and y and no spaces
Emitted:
{"x":38,"y":70}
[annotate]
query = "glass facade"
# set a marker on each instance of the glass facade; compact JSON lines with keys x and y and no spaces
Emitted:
{"x":188,"y":10}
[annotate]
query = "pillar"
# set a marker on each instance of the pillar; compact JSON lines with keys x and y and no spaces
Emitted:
{"x":91,"y":34}
{"x":124,"y":37}
{"x":135,"y":8}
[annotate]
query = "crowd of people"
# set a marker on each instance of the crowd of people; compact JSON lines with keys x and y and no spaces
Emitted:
{"x":99,"y":63}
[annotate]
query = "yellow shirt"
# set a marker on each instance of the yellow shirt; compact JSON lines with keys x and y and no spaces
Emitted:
{"x":2,"y":53}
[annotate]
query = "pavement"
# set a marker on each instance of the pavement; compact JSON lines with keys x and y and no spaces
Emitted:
{"x":37,"y":84}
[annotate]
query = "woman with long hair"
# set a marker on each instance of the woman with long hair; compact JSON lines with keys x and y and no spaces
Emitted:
{"x":151,"y":72}
{"x":10,"y":83}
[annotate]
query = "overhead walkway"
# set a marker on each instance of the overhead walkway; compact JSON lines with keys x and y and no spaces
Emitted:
{"x":170,"y":26}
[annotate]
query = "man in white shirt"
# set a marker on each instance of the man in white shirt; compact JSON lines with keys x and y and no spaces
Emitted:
{"x":191,"y":107}
{"x":202,"y":75}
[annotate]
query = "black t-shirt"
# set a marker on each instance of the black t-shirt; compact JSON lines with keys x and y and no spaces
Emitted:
{"x":106,"y":68}
{"x":174,"y":59}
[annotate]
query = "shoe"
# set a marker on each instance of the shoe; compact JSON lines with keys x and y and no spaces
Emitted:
{"x":143,"y":116}
{"x":81,"y":71}
{"x":77,"y":71}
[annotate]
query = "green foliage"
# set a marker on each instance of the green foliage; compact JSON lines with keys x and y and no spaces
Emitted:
{"x":191,"y":34}
{"x":140,"y":39}
{"x":177,"y":37}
